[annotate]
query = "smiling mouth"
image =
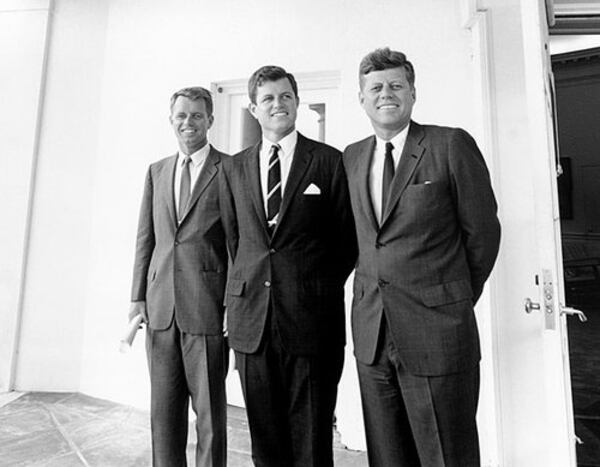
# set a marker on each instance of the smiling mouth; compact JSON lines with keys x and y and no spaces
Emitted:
{"x":387,"y":107}
{"x":279,"y":114}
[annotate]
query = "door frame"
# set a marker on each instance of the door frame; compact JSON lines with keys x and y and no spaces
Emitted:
{"x":537,"y":17}
{"x":226,"y":90}
{"x":517,"y":433}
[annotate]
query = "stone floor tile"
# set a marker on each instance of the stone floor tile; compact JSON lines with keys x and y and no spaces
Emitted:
{"x":26,"y":450}
{"x":67,"y":460}
{"x":58,"y":430}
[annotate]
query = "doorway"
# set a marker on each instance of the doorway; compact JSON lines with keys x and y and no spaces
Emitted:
{"x":577,"y":78}
{"x":235,"y":128}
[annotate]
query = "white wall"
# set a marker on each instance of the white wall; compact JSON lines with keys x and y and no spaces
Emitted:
{"x":113,"y":66}
{"x":22,"y":48}
{"x":54,"y":306}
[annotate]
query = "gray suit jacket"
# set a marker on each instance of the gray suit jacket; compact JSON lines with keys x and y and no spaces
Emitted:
{"x":181,"y":269}
{"x":424,"y":267}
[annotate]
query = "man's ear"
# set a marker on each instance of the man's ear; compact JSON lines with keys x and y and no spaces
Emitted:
{"x":361,"y":98}
{"x":211,"y":119}
{"x":252,"y":109}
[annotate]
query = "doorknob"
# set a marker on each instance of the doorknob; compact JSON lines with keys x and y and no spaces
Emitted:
{"x":567,"y":310}
{"x":530,"y":306}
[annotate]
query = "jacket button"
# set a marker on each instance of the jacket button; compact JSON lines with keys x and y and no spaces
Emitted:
{"x":267,"y":284}
{"x":176,"y":243}
{"x":382,"y":283}
{"x":378,"y":245}
{"x":272,"y":250}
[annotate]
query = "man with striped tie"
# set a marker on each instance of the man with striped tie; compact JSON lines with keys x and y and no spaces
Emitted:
{"x":290,"y":233}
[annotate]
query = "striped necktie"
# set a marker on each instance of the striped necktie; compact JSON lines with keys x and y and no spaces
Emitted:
{"x":273,"y":188}
{"x":184,"y":187}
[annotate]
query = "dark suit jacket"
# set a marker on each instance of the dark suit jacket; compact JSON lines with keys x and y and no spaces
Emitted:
{"x":181,"y":268}
{"x":301,"y":270}
{"x":425,"y":266}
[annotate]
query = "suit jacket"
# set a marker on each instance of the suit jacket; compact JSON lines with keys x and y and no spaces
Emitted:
{"x":424,"y":267}
{"x":181,"y":269}
{"x":299,"y":272}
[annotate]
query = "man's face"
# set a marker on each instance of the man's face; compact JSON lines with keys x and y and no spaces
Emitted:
{"x":275,"y":109}
{"x":387,"y":98}
{"x":191,"y":122}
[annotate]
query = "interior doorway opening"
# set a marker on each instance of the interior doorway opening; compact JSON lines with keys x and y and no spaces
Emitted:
{"x":577,"y":78}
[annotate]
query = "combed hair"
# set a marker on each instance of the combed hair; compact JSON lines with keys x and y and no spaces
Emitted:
{"x":195,"y":93}
{"x":384,"y":59}
{"x":269,"y":73}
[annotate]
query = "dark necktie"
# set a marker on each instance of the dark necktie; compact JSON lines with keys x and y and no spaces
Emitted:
{"x":273,"y":188}
{"x":184,"y":187}
{"x":388,"y":175}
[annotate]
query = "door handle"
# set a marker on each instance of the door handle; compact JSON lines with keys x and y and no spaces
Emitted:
{"x":530,"y":306}
{"x":569,"y":311}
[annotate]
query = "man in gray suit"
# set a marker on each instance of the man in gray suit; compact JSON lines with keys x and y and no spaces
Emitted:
{"x":428,"y":236}
{"x":178,"y":288}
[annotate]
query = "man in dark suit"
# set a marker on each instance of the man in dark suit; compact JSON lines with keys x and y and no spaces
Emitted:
{"x":290,"y":233}
{"x":428,"y":237}
{"x":178,"y":287}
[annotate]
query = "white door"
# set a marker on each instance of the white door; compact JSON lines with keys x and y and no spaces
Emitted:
{"x":540,"y":388}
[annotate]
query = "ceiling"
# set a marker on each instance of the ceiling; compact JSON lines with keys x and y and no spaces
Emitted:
{"x":576,"y":7}
{"x":575,"y":16}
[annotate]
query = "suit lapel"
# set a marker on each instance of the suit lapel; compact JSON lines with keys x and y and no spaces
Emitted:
{"x":411,"y":155}
{"x":363,"y":171}
{"x":300,"y":162}
{"x":167,"y":186}
{"x":252,"y":169}
{"x":209,"y":170}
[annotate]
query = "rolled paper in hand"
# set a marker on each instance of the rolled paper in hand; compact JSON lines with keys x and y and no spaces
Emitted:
{"x":129,"y":335}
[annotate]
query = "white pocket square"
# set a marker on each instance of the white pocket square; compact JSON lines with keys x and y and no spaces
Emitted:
{"x":312,"y":189}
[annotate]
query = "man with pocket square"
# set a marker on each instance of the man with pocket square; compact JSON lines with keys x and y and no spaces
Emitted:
{"x":428,"y":237}
{"x":290,"y":234}
{"x":180,"y":271}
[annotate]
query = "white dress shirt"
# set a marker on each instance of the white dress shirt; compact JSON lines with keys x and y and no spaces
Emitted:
{"x":286,"y":155}
{"x":376,"y":173}
{"x":196,"y":165}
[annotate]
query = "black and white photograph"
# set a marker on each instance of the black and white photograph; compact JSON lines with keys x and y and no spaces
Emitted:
{"x":282,"y":233}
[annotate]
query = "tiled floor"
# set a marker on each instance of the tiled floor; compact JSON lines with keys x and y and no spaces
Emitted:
{"x":70,"y":429}
{"x":584,"y":354}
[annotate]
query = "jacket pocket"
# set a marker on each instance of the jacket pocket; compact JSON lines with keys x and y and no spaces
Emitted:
{"x":444,"y":294}
{"x":236,"y":287}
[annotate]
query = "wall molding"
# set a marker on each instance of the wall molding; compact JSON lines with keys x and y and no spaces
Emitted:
{"x":25,"y":5}
{"x":478,"y":22}
{"x":16,"y":332}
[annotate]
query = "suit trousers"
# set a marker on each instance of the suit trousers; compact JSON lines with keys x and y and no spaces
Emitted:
{"x":182,"y":367}
{"x":417,"y":420}
{"x":290,"y":402}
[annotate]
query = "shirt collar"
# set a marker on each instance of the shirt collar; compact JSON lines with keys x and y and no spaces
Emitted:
{"x":398,"y":140}
{"x":287,"y":143}
{"x":197,"y":157}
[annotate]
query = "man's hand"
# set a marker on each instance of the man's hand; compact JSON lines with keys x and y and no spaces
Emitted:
{"x":138,"y":308}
